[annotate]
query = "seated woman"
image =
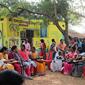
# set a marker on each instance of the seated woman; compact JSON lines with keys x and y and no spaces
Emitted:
{"x":41,"y":65}
{"x":33,"y":57}
{"x":5,"y":63}
{"x":49,"y":57}
{"x":14,"y":55}
{"x":70,"y":56}
{"x":26,"y":60}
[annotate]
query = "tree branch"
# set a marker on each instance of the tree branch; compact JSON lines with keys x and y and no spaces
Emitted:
{"x":3,"y":5}
{"x":29,"y":11}
{"x":47,"y":16}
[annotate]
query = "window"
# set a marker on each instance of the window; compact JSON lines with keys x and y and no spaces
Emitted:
{"x":43,"y":31}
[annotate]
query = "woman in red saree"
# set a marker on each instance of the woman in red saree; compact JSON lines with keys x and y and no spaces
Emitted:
{"x":70,"y":56}
{"x":43,"y":49}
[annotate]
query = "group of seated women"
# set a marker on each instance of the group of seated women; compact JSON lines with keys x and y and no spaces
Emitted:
{"x":22,"y":61}
{"x":68,"y":62}
{"x":31,"y":63}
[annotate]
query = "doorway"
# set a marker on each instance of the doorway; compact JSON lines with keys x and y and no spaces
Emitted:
{"x":30,"y":35}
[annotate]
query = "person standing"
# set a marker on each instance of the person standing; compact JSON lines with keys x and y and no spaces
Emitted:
{"x":53,"y":44}
{"x":43,"y":49}
{"x":62,"y":45}
{"x":27,"y":45}
{"x":83,"y":46}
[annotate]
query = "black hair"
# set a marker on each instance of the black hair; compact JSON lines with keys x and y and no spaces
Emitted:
{"x":3,"y":49}
{"x":23,"y":45}
{"x":61,"y":39}
{"x":42,"y":40}
{"x":13,"y":47}
{"x":10,"y":78}
{"x":53,"y":40}
{"x":34,"y":48}
{"x":73,"y":48}
{"x":60,"y":53}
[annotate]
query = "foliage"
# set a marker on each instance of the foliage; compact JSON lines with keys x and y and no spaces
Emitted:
{"x":53,"y":10}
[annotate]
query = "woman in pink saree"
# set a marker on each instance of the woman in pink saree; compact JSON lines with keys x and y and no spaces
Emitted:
{"x":69,"y":57}
{"x":25,"y":56}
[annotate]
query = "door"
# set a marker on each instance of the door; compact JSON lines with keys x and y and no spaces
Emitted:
{"x":30,"y":35}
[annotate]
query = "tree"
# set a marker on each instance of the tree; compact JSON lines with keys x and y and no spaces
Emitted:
{"x":54,"y":10}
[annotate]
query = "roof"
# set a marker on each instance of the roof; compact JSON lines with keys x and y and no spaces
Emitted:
{"x":75,"y":34}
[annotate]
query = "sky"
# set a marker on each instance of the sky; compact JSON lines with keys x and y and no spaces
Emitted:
{"x":32,"y":0}
{"x":80,"y":28}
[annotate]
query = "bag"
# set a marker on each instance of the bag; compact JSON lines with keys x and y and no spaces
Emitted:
{"x":77,"y":71}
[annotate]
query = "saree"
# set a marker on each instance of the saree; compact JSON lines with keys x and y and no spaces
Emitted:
{"x":68,"y":66}
{"x":5,"y":66}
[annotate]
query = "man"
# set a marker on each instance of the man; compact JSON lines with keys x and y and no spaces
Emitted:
{"x":27,"y":45}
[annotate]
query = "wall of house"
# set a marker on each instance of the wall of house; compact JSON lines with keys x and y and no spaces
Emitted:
{"x":10,"y":31}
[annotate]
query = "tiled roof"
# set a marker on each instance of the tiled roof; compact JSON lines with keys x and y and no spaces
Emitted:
{"x":75,"y":34}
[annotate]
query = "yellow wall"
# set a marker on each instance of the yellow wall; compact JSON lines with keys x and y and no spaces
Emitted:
{"x":1,"y":38}
{"x":52,"y":33}
{"x":12,"y":36}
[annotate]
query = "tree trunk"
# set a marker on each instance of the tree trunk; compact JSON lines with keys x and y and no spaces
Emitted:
{"x":66,"y":32}
{"x":66,"y":37}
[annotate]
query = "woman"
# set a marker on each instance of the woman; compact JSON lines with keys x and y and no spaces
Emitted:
{"x":14,"y":55}
{"x":26,"y":60}
{"x":34,"y":56}
{"x":62,"y":45}
{"x":70,"y":56}
{"x":43,"y":49}
{"x":40,"y":69}
{"x":5,"y":62}
{"x":25,"y":56}
{"x":53,"y":45}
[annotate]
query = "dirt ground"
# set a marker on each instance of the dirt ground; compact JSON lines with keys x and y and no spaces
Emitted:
{"x":55,"y":79}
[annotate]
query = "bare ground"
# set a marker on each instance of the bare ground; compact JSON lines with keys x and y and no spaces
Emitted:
{"x":55,"y":79}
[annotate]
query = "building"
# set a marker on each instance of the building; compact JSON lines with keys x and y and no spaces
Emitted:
{"x":14,"y":30}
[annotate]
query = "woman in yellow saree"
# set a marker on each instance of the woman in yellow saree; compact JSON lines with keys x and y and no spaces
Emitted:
{"x":40,"y":69}
{"x":4,"y":62}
